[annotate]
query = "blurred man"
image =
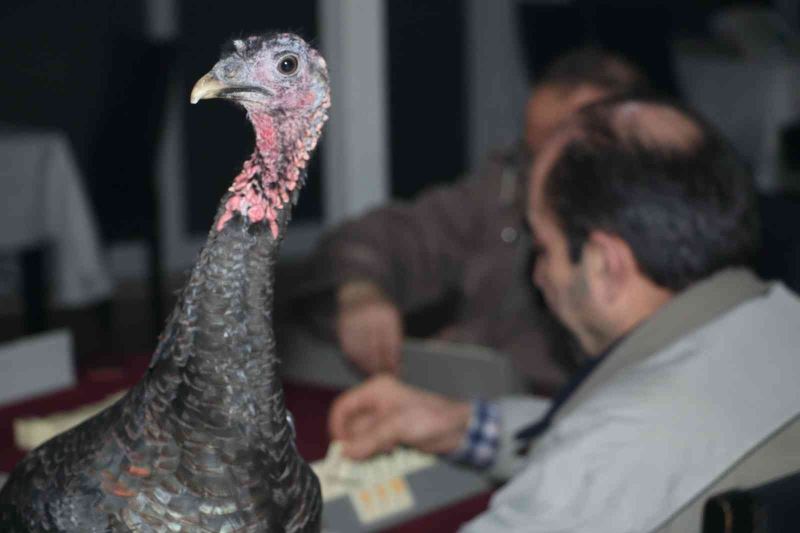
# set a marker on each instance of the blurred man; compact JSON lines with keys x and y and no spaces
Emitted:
{"x":644,"y":222}
{"x":467,"y":239}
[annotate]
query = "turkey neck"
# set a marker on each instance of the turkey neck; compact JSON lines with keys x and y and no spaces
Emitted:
{"x":227,"y":306}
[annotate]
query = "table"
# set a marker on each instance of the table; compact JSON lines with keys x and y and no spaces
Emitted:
{"x":44,"y":204}
{"x":309,"y":405}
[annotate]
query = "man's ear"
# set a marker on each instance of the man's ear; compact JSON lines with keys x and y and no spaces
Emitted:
{"x":611,"y":264}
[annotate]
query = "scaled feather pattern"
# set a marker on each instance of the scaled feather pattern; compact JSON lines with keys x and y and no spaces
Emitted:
{"x":202,"y":443}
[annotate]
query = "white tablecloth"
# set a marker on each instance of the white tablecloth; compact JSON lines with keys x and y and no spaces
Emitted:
{"x":44,"y":203}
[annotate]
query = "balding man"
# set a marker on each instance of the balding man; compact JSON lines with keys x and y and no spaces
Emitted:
{"x":644,"y":222}
{"x":466,"y":240}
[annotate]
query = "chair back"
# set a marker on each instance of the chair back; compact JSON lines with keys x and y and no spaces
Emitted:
{"x":768,"y":508}
{"x":772,"y":458}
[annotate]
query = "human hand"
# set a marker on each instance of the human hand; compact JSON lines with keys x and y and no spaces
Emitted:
{"x":383,"y":413}
{"x":369,"y":327}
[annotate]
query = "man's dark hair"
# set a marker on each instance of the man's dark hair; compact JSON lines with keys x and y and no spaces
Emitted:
{"x":598,"y":67}
{"x":659,"y":177}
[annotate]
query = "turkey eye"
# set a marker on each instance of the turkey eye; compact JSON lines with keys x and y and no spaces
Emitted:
{"x":230,"y":71}
{"x":288,"y":65}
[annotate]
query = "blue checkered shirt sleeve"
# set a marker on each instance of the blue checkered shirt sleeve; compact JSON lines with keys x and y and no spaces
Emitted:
{"x":479,"y":446}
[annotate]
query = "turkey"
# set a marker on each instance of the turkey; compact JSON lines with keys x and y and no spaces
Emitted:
{"x":203,"y":441}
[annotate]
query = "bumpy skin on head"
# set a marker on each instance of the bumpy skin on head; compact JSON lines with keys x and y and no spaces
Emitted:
{"x":202,"y":443}
{"x":283,"y":85}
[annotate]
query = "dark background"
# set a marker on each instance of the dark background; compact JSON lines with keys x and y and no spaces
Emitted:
{"x":88,"y":68}
{"x":91,"y":69}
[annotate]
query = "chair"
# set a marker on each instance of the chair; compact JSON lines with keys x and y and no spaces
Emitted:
{"x":773,"y":507}
{"x":34,"y":290}
{"x":775,"y":456}
{"x":780,"y":239}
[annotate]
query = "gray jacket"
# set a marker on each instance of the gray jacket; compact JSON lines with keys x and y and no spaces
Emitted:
{"x":687,"y":395}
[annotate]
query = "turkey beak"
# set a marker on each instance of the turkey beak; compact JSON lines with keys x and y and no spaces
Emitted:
{"x":206,"y":87}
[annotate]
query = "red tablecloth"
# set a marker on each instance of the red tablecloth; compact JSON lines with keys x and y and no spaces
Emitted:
{"x":308,"y":403}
